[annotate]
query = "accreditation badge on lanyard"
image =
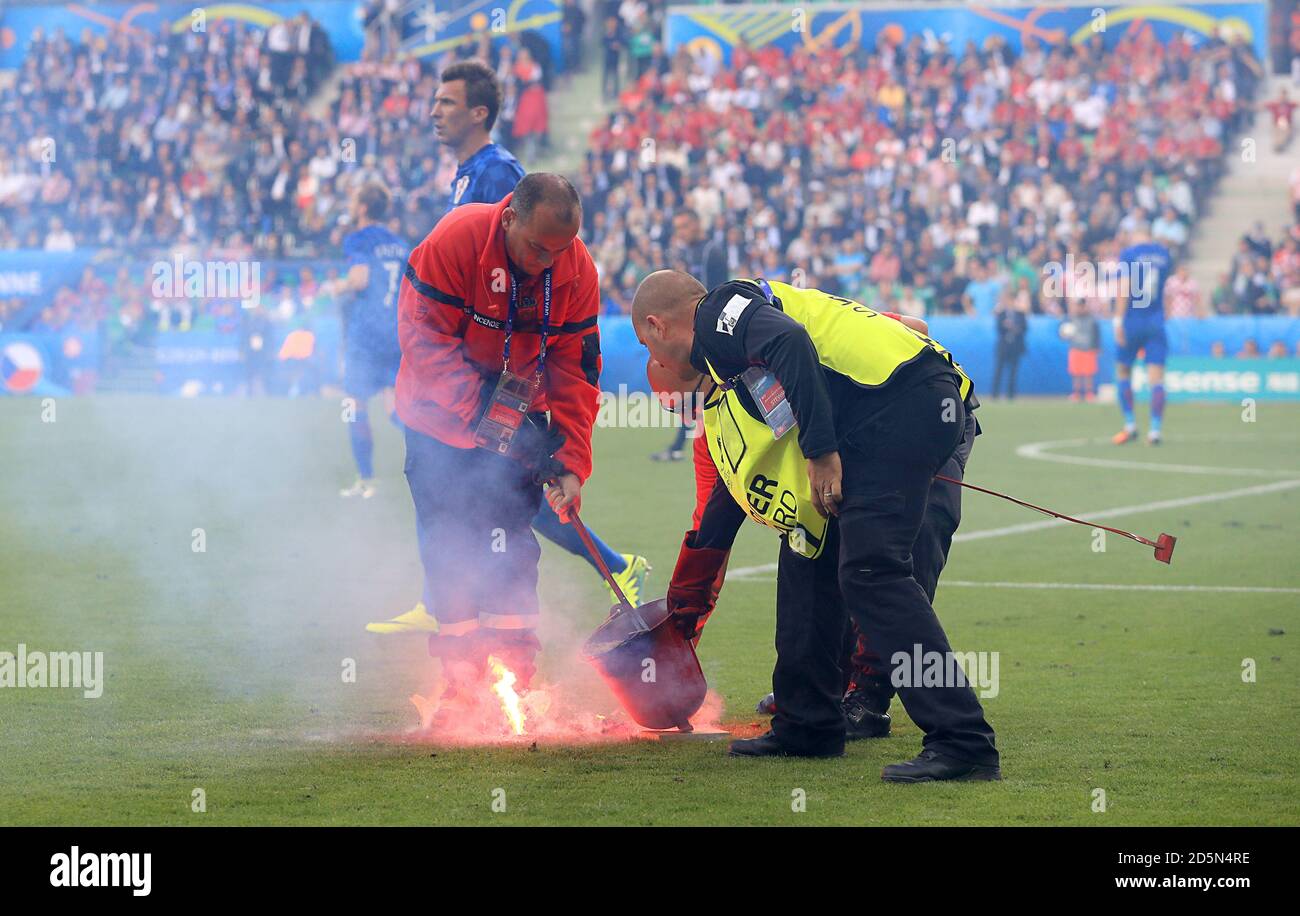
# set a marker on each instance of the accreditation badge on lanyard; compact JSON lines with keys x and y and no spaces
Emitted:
{"x":514,"y":393}
{"x":766,"y":390}
{"x":770,"y":399}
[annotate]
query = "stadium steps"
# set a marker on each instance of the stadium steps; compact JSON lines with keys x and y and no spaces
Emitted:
{"x":1249,"y":192}
{"x":575,"y":109}
{"x":318,"y":106}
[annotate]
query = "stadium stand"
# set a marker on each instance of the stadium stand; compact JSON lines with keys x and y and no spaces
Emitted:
{"x":906,"y":175}
{"x":234,"y":142}
{"x":1263,"y":277}
{"x":909,"y":177}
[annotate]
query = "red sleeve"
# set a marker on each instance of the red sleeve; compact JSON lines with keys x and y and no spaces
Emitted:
{"x":431,"y":326}
{"x":573,"y":374}
{"x":706,"y":475}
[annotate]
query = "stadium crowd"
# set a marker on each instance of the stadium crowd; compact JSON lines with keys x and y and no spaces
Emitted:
{"x":220,"y":142}
{"x":139,"y":139}
{"x":902,"y":175}
{"x":216,"y":138}
{"x":908,"y":177}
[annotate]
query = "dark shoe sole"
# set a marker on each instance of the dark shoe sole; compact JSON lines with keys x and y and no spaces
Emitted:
{"x":978,"y":774}
{"x":874,"y":728}
{"x":840,"y":753}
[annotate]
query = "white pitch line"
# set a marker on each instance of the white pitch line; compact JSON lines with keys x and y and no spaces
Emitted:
{"x":1038,"y":451}
{"x":1025,"y":527}
{"x":750,"y":572}
{"x":1116,"y":587}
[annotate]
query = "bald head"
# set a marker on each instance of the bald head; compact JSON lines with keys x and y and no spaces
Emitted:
{"x":663,"y":316}
{"x":546,"y":189}
{"x":668,"y":294}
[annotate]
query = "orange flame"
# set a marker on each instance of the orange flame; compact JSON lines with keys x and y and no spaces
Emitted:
{"x":504,"y":688}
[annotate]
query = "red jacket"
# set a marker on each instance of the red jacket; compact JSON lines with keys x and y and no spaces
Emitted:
{"x":456,"y":289}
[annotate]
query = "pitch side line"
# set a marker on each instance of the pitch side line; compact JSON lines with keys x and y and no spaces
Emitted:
{"x":1258,"y":490}
{"x":1039,"y":451}
{"x":1115,"y":587}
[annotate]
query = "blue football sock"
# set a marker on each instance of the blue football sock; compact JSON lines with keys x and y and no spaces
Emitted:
{"x":1157,"y":407}
{"x":1126,"y":401}
{"x":549,"y":526}
{"x":363,"y":444}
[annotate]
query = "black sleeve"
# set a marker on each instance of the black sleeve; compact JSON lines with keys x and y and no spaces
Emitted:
{"x":783,"y":345}
{"x":736,"y":327}
{"x":720,"y":521}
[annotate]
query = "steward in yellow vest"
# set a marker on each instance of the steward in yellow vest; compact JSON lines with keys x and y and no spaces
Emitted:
{"x":765,"y":473}
{"x":876,"y":410}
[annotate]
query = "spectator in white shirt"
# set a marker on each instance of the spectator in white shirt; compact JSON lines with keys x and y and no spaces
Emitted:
{"x":59,"y":238}
{"x":1168,"y":228}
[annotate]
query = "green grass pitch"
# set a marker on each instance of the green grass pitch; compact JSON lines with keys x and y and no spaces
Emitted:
{"x":223,"y":666}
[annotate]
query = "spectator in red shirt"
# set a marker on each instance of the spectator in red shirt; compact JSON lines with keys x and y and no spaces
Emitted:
{"x":1183,"y":294}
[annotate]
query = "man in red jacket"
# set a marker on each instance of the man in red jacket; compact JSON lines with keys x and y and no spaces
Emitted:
{"x":497,"y":321}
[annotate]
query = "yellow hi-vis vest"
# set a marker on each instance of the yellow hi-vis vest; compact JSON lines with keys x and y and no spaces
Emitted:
{"x":768,"y":477}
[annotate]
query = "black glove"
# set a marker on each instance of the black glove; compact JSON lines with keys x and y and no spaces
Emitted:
{"x":534,"y":446}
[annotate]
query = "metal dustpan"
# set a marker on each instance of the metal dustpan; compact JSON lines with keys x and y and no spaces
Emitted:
{"x":649,"y":665}
{"x":645,"y":659}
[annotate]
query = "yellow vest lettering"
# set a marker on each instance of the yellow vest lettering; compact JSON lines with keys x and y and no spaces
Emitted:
{"x":765,"y":476}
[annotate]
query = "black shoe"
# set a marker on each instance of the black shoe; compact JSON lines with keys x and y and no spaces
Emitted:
{"x":768,"y":745}
{"x":767,"y":705}
{"x":865,"y":715}
{"x":931,"y":766}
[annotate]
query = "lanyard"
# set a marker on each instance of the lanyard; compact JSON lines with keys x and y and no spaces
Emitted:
{"x":510,"y":320}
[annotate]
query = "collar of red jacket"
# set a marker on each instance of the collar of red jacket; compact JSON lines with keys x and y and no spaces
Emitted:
{"x":563,"y":270}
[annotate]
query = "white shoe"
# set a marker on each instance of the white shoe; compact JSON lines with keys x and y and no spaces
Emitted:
{"x":363,"y":488}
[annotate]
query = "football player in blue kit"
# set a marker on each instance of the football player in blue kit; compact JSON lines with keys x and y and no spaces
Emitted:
{"x":1140,"y":328}
{"x":376,"y":259}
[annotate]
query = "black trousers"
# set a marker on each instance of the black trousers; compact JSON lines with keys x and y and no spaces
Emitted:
{"x":861,"y":665}
{"x":1006,"y":364}
{"x":889,"y":463}
{"x":473,"y":515}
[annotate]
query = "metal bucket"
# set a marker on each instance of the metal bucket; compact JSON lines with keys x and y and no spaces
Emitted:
{"x":650,"y":666}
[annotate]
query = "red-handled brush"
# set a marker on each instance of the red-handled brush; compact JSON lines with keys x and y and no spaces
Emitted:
{"x":1164,"y":545}
{"x":596,"y":558}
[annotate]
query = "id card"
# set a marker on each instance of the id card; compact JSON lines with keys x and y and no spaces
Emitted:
{"x":505,"y":412}
{"x":770,"y":398}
